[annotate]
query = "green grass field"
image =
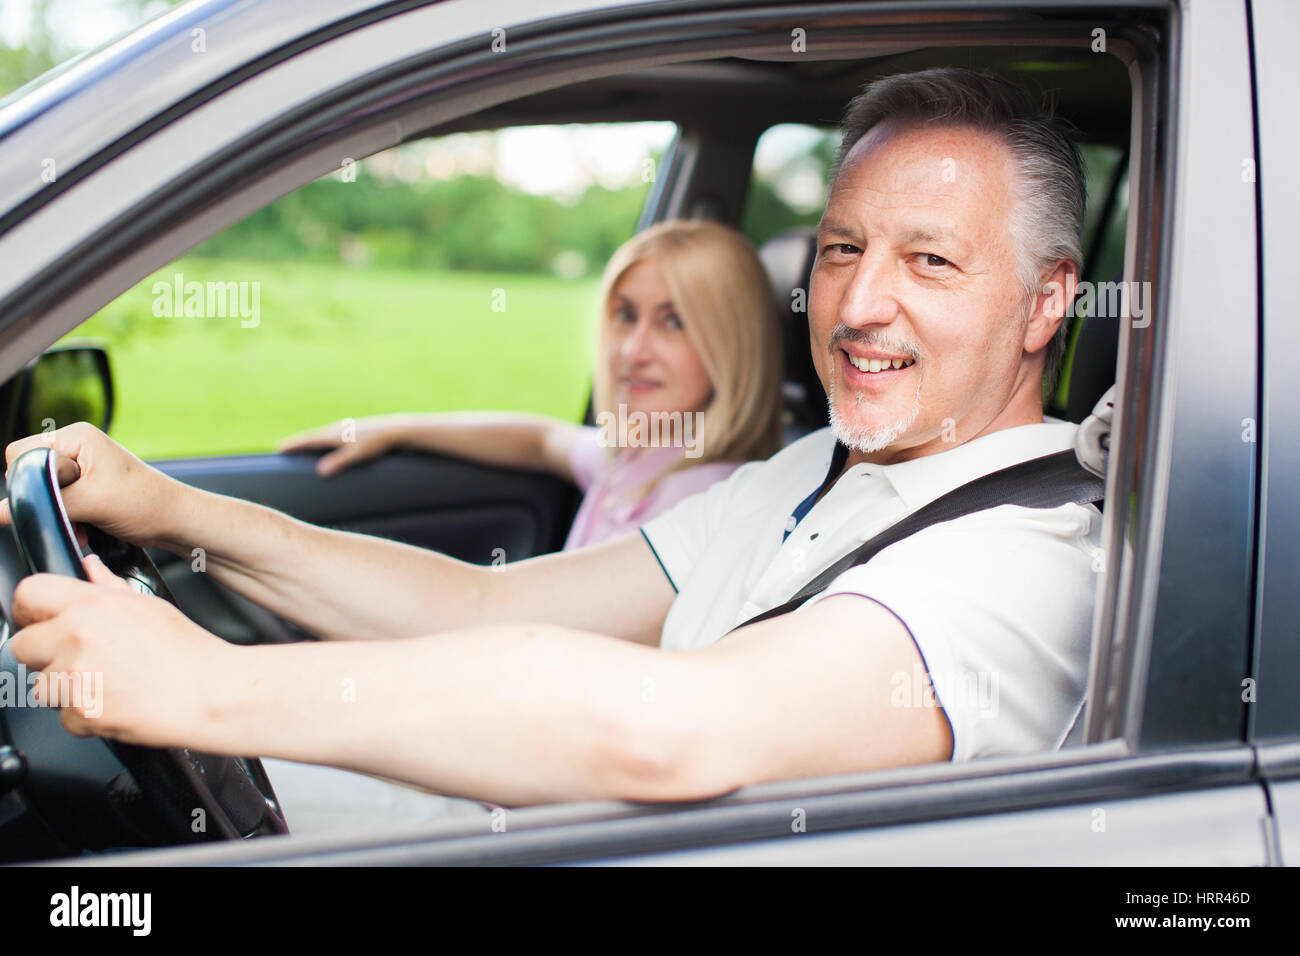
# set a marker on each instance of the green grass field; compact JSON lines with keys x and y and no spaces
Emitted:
{"x":336,"y":343}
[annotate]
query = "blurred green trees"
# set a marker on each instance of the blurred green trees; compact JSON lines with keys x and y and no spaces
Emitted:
{"x":466,"y":222}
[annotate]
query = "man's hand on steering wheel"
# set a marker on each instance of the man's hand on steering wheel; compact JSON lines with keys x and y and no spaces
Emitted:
{"x":116,"y":491}
{"x":119,"y":663}
{"x":143,"y":666}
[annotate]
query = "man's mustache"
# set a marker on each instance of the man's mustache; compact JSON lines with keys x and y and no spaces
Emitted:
{"x":872,"y":338}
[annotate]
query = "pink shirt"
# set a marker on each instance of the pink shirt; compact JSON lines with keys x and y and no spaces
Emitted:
{"x":605,"y":511}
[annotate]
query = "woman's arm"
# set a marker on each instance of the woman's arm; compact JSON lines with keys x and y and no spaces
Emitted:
{"x":505,"y":439}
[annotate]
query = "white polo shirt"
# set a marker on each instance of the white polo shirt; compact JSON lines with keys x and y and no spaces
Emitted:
{"x":999,"y":603}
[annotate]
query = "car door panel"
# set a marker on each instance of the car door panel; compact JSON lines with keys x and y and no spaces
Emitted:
{"x":1222,"y":827}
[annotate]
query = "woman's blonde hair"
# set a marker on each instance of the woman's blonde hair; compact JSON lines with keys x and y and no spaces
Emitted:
{"x":722,"y":294}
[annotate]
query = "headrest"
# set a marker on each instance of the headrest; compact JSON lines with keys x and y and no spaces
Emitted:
{"x":788,"y":258}
{"x":1092,"y":441}
{"x":1092,"y":357}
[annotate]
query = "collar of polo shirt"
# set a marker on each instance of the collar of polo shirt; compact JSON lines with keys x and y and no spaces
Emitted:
{"x":919,"y":481}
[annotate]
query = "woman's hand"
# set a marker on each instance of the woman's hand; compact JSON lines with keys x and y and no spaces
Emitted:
{"x":120,"y":664}
{"x":116,"y":491}
{"x":353,"y":442}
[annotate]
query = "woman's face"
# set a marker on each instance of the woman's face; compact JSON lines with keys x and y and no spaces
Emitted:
{"x":653,"y":366}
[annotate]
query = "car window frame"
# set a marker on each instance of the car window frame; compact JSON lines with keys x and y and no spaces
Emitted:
{"x":1175,"y":550}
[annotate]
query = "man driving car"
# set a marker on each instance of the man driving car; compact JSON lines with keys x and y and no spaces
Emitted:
{"x":946,"y":257}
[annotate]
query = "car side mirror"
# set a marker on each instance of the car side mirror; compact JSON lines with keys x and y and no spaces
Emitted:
{"x":66,"y":384}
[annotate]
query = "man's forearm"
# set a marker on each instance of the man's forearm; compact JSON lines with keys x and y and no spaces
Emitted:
{"x":335,"y":584}
{"x":515,"y":715}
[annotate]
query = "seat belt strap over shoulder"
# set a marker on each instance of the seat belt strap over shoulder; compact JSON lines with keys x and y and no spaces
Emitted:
{"x":1046,"y":482}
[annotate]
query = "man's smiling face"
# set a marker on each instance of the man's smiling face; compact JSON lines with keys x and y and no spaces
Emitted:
{"x":916,"y":268}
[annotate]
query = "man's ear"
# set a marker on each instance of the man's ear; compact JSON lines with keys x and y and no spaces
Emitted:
{"x":1051,"y":305}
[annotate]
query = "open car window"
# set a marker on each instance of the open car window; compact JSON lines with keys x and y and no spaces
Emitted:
{"x":450,"y":273}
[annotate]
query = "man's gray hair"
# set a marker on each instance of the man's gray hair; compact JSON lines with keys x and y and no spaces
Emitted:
{"x":1051,"y":192}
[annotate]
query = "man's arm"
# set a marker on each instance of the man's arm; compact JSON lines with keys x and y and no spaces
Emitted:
{"x":512,"y":714}
{"x":343,"y":585}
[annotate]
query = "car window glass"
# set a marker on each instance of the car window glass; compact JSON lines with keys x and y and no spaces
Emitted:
{"x":790,"y":179}
{"x":1100,"y":165}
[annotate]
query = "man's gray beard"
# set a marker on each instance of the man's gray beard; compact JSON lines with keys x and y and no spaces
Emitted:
{"x":866,"y":438}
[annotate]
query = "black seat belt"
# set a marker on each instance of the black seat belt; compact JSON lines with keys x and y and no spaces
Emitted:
{"x":1047,"y":482}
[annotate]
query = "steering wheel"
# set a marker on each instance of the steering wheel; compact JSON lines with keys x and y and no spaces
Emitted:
{"x":96,"y":793}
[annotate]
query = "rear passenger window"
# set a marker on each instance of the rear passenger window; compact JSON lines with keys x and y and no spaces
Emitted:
{"x":1103,"y":236}
{"x":790,"y":179}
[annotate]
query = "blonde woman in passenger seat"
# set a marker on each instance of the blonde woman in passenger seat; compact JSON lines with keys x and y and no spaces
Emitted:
{"x":688,"y":336}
